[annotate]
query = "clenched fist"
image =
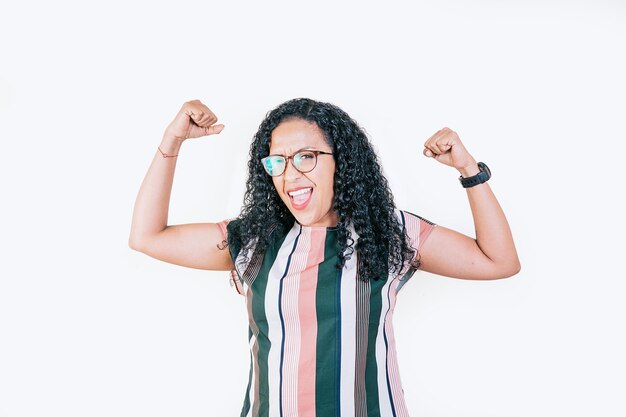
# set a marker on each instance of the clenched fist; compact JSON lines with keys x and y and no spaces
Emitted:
{"x":445,"y":146}
{"x":193,"y":121}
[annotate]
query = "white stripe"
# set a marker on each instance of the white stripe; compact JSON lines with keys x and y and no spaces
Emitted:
{"x":418,"y":229}
{"x":275,"y":332}
{"x":394,"y":372}
{"x":348,"y":338}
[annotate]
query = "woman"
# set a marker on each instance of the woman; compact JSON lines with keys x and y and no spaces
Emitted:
{"x":320,"y":252}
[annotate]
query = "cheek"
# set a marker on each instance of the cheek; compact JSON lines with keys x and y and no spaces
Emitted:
{"x":329,"y":183}
{"x":277,"y":184}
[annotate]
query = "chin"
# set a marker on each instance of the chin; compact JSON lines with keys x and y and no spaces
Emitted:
{"x":304,"y":220}
{"x":307,"y":220}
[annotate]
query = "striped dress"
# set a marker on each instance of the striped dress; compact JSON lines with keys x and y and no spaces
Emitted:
{"x":321,"y":340}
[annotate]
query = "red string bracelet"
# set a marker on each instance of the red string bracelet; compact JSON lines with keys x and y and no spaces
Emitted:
{"x":166,"y":155}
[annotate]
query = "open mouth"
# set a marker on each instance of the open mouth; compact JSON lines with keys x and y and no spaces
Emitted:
{"x":300,"y":198}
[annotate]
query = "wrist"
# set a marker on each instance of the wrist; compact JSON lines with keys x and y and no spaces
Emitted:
{"x":168,"y":135}
{"x":469,"y":170}
{"x":472,"y":180}
{"x":170,"y":145}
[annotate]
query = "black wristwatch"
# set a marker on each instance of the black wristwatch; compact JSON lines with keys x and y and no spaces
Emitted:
{"x":482,"y":176}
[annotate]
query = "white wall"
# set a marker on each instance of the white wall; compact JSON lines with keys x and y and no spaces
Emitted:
{"x":89,"y":327}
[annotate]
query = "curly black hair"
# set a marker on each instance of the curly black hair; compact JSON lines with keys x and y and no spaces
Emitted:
{"x":362,"y":194}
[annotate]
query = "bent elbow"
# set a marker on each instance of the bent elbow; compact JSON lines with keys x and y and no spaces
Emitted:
{"x":514,"y":270}
{"x":517,"y":268}
{"x":134,"y":244}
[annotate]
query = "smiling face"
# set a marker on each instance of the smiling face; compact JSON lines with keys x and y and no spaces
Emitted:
{"x":308,"y":196}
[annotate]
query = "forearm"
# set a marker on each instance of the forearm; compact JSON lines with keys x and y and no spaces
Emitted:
{"x":152,"y":204}
{"x":493,"y":234}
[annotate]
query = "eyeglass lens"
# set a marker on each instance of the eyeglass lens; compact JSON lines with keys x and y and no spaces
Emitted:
{"x":303,"y":161}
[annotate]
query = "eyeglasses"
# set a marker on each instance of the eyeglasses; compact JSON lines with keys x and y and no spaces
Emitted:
{"x":304,"y":161}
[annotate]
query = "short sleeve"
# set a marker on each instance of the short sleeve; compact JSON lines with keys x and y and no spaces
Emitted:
{"x":426,"y":227}
{"x":223,"y":227}
{"x":417,"y":228}
{"x":234,"y":277}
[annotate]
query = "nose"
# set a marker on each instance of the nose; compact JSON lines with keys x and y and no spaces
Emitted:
{"x":290,"y":171}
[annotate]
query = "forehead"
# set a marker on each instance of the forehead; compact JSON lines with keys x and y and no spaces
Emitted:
{"x":294,"y":134}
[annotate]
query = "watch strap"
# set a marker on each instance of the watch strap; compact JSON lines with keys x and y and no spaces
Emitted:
{"x":481,"y":177}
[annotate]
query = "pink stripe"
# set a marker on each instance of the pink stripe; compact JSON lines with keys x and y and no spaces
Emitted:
{"x":308,"y":325}
{"x":418,"y":231}
{"x":222,"y":225}
{"x":290,"y":306}
{"x":392,"y":361}
{"x":425,"y":230}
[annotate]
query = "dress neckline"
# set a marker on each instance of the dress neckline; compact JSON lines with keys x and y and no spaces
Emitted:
{"x":326,"y":228}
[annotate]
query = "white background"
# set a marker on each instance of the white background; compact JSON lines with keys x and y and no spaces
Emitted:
{"x":89,"y":327}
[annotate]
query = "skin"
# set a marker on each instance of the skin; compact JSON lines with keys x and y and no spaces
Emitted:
{"x":289,"y":137}
{"x":491,"y":255}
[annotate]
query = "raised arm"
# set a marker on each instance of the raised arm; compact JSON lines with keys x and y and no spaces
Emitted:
{"x":492,"y":254}
{"x":193,"y":245}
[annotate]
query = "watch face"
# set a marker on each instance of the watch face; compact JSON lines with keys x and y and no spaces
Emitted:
{"x":483,"y":167}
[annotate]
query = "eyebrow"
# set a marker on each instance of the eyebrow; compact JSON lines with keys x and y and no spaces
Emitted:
{"x":307,"y":148}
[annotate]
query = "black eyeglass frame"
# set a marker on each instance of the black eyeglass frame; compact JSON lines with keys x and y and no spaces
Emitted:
{"x":287,"y":158}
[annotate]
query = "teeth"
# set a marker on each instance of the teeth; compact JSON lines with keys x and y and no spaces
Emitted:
{"x":299,"y":192}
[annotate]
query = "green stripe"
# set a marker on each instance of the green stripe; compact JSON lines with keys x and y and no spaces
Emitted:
{"x":246,"y":400}
{"x":371,"y":369}
{"x":327,"y":365}
{"x":260,"y":318}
